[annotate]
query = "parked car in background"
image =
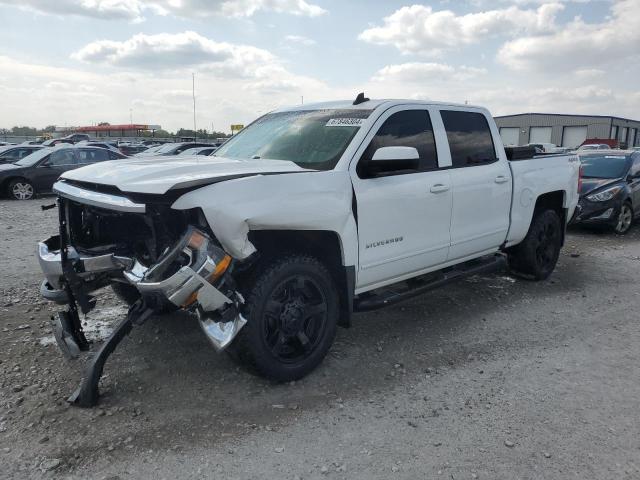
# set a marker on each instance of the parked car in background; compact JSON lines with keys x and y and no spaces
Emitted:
{"x":36,"y":173}
{"x":14,"y":153}
{"x":172,"y":149}
{"x":132,"y":149}
{"x":2,"y":144}
{"x":52,"y":142}
{"x":199,"y":150}
{"x":77,"y":137}
{"x":107,"y":145}
{"x":593,"y":146}
{"x":545,"y":147}
{"x":610,"y":189}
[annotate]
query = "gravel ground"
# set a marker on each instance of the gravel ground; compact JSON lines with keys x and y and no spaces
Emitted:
{"x":493,"y":377}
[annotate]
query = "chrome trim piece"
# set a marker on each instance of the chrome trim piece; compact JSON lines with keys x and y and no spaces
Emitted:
{"x":221,"y":334}
{"x":97,"y":199}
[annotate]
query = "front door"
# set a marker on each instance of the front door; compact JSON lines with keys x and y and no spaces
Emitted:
{"x":48,"y":171}
{"x":403,"y":215}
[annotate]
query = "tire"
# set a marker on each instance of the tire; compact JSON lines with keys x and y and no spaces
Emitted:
{"x":538,"y":253}
{"x":625,"y":219}
{"x":21,"y":189}
{"x":292,"y":308}
{"x":129,"y":295}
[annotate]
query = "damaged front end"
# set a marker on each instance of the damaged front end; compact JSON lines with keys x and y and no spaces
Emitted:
{"x":167,"y":258}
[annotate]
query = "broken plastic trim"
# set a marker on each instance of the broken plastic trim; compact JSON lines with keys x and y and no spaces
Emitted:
{"x":218,"y":313}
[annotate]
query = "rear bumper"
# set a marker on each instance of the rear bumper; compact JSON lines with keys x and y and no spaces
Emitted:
{"x":189,"y":287}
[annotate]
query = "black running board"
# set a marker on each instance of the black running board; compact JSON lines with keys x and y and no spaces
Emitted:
{"x":418,"y":286}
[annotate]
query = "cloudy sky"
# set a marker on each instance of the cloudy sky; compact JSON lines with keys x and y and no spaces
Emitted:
{"x":78,"y":62}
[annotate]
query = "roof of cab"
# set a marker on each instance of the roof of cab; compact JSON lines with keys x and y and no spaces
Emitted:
{"x":368,"y":105}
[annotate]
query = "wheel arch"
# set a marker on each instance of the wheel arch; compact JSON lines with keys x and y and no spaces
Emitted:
{"x":4,"y":184}
{"x":555,"y":201}
{"x":323,"y":244}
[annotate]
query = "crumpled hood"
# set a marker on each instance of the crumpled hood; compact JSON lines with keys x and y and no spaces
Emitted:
{"x":157,"y":175}
{"x":591,"y":184}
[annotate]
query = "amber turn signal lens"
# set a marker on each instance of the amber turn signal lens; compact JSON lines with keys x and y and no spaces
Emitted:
{"x":221,"y":267}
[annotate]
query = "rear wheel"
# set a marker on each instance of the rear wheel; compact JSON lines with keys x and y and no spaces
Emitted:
{"x":625,"y":219}
{"x":291,"y":312}
{"x":538,"y":253}
{"x":21,"y":189}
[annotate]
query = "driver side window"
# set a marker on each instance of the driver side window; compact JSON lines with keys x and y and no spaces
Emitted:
{"x":408,"y":128}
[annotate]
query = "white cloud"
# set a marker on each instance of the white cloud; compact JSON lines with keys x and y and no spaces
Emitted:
{"x":134,"y":10}
{"x":418,"y":29}
{"x":168,"y":55}
{"x":300,"y":40}
{"x":580,"y":44}
{"x":167,"y":52}
{"x":105,"y":9}
{"x":417,"y":72}
{"x":589,"y":72}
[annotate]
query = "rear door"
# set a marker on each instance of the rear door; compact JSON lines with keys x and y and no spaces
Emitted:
{"x":88,"y":156}
{"x":481,"y":184}
{"x":403,"y":216}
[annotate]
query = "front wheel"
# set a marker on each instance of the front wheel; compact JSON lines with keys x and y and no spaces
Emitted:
{"x":625,"y":219}
{"x":21,"y":189}
{"x":291,"y":311}
{"x":538,"y":253}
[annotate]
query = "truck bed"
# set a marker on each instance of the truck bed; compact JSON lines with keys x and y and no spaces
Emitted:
{"x":535,"y":176}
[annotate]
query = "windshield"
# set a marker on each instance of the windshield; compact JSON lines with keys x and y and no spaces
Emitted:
{"x":313,"y":139}
{"x":604,"y":166}
{"x":34,"y":158}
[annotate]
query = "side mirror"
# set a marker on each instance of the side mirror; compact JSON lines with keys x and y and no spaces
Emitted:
{"x":387,"y":160}
{"x":396,"y":154}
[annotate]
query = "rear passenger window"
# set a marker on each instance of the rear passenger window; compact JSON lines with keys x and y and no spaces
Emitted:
{"x":409,"y":128}
{"x":92,"y":156}
{"x":469,"y":138}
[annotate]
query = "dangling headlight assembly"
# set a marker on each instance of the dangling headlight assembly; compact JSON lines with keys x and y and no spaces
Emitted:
{"x":605,"y":195}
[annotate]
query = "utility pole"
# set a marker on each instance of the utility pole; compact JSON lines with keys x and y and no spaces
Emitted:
{"x":131,"y":116}
{"x":193,"y":91}
{"x":301,"y":99}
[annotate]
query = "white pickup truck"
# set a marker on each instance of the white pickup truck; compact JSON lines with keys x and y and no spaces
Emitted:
{"x":307,"y":215}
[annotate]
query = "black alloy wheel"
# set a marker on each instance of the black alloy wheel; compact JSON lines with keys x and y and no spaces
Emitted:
{"x":296,"y":315}
{"x":292,"y":309}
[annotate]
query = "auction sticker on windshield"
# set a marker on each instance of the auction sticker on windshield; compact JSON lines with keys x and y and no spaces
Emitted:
{"x":345,"y":122}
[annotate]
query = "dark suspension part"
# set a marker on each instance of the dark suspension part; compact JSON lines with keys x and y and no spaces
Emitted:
{"x":67,"y":326}
{"x":87,"y":394}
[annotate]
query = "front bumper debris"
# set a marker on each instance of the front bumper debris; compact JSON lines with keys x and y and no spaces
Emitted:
{"x":597,"y":213}
{"x":193,"y":275}
{"x":189,"y":287}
